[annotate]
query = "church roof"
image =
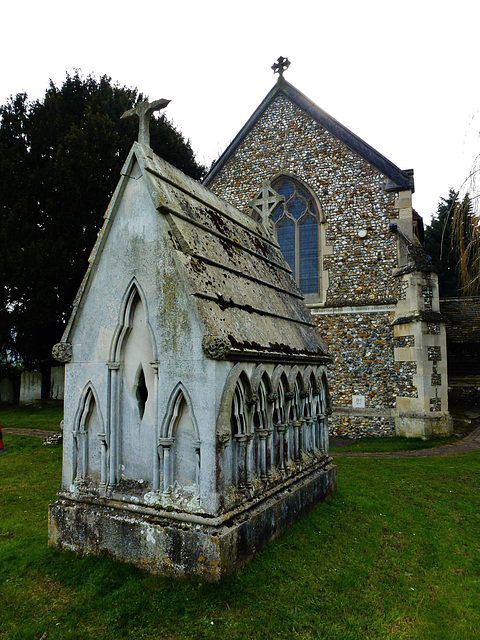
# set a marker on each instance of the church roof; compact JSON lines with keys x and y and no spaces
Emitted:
{"x":243,"y":288}
{"x":462,"y":318}
{"x":398,"y":179}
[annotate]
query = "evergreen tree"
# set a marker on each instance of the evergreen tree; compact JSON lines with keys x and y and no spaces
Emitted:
{"x":466,"y":243}
{"x":438,"y":244}
{"x":60,"y":160}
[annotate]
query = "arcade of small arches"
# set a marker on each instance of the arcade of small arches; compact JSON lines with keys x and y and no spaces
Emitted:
{"x":274,"y":425}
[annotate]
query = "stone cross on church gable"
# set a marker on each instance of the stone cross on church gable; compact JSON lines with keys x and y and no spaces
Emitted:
{"x":265,"y":203}
{"x":144,"y":111}
{"x":281,"y":65}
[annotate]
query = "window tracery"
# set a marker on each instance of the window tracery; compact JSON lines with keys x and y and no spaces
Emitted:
{"x":297,"y":225}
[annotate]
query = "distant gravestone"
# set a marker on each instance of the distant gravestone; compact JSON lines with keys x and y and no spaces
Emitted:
{"x":30,"y":387}
{"x":57,"y":380}
{"x":6,"y":391}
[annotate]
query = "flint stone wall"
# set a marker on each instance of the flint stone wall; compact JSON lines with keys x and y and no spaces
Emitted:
{"x":364,"y":365}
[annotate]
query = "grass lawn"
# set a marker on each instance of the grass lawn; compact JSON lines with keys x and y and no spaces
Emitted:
{"x":395,"y":554}
{"x":45,"y":415}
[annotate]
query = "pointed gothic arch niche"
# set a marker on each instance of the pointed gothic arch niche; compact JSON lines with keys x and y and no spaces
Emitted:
{"x":297,"y":386}
{"x":280,"y":388}
{"x":89,"y":456}
{"x":236,"y":462}
{"x":299,"y":224}
{"x":324,"y":409}
{"x":324,"y":389}
{"x":297,"y":421}
{"x":133,"y":348}
{"x":280,"y":421}
{"x":310,"y":411}
{"x":233,"y":428}
{"x":181,"y":435}
{"x":262,"y":425}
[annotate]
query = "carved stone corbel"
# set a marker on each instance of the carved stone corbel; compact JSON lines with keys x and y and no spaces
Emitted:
{"x":272,"y":397}
{"x":224,"y":438}
{"x":62,"y":352}
{"x":252,"y":399}
{"x":216,"y":347}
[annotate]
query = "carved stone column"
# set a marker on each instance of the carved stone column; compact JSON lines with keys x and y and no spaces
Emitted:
{"x":164,"y":450}
{"x":75,"y":458}
{"x":248,"y":482}
{"x":241,"y":445}
{"x":317,"y":434}
{"x":262,"y":436}
{"x":156,"y":459}
{"x":297,"y":425}
{"x":321,"y":429}
{"x":113,"y":421}
{"x":307,"y":435}
{"x":325,"y":438}
{"x":197,"y":457}
{"x":268,"y":460}
{"x":103,"y":459}
{"x":281,"y":429}
{"x":289,"y":444}
{"x":83,"y":435}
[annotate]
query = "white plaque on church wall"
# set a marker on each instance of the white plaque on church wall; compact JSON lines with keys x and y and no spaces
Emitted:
{"x":358,"y":402}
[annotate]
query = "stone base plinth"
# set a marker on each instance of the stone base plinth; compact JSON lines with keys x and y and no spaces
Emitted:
{"x":178,"y":544}
{"x":412,"y":424}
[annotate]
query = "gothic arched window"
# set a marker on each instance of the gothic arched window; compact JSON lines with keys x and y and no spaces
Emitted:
{"x":297,"y":225}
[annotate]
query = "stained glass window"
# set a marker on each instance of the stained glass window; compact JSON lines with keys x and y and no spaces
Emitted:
{"x":297,"y":225}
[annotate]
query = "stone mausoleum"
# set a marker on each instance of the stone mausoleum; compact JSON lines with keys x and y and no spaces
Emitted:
{"x":196,"y":395}
{"x":342,"y":214}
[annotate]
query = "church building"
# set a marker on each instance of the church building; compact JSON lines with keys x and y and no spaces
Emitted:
{"x":342,"y":215}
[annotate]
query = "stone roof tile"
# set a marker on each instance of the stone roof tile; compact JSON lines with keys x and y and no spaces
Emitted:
{"x":462,"y":318}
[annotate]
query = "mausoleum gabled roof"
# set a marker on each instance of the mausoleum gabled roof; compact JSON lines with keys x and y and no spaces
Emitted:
{"x":246,"y":297}
{"x":398,"y":179}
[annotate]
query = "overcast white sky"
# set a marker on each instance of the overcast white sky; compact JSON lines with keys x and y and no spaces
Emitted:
{"x":404,"y":76}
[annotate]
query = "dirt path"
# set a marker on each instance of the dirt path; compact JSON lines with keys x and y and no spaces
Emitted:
{"x":470,"y":443}
{"x":30,"y":432}
{"x":445,"y":450}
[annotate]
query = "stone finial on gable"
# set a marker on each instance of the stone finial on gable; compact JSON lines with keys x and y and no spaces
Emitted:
{"x":281,"y":65}
{"x":144,"y":111}
{"x":264,"y":204}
